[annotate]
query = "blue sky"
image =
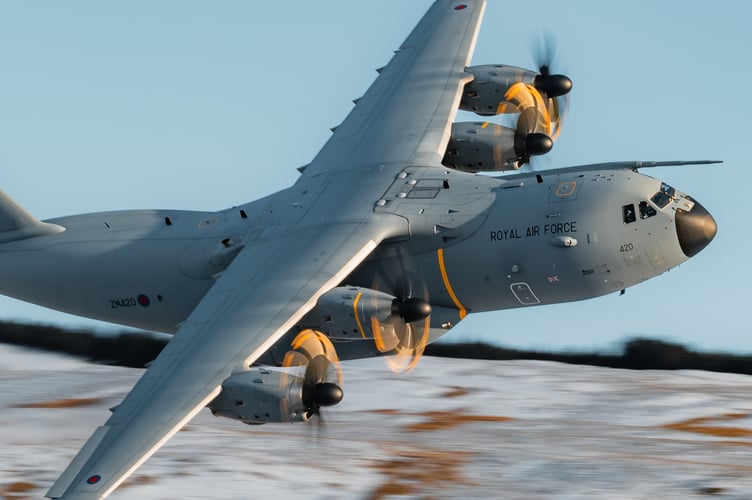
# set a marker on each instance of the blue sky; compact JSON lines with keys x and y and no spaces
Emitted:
{"x":204,"y":105}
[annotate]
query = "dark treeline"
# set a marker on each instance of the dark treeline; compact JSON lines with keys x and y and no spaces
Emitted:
{"x":136,"y":349}
{"x":132,"y":349}
{"x":637,"y":354}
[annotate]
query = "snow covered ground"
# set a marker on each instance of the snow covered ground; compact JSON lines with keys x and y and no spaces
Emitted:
{"x":452,"y":428}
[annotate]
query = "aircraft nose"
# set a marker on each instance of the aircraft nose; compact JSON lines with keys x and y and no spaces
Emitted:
{"x":695,"y":229}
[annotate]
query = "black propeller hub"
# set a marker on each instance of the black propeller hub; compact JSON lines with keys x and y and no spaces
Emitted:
{"x":327,"y":394}
{"x":411,"y":310}
{"x":317,"y":392}
{"x":552,"y":85}
{"x":535,"y":144}
{"x":538,"y":144}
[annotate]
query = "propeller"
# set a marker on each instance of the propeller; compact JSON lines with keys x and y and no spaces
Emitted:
{"x":534,"y":128}
{"x":554,"y":87}
{"x":322,"y":379}
{"x":542,"y":104}
{"x":404,"y":334}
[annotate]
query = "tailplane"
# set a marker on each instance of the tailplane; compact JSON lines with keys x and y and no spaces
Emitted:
{"x":18,"y":224}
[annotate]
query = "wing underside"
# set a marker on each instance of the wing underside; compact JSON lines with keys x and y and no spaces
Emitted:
{"x":404,"y":118}
{"x":264,"y":292}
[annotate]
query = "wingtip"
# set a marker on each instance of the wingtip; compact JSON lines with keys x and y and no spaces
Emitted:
{"x":675,"y":163}
{"x":701,"y":162}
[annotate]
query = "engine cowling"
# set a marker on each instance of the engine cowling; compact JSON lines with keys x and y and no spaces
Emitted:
{"x":489,"y":92}
{"x":489,"y":147}
{"x":348,"y":311}
{"x":310,"y":379}
{"x":485,"y":94}
{"x":260,"y":396}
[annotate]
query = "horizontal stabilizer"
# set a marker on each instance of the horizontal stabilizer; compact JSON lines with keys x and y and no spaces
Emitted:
{"x":18,"y":224}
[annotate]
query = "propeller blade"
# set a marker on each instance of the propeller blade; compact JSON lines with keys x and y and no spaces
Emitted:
{"x":404,"y":335}
{"x":557,"y":109}
{"x":553,"y":91}
{"x":534,"y":114}
{"x":412,"y":345}
{"x":322,"y":378}
{"x":544,"y":51}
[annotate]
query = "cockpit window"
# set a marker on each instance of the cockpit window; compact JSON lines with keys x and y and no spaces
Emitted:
{"x":628,"y":213}
{"x":646,"y":210}
{"x":664,"y":196}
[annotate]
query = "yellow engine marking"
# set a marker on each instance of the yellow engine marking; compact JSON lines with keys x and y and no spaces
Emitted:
{"x":378,"y":339}
{"x":445,"y":278}
{"x":357,"y":316}
{"x":301,"y":338}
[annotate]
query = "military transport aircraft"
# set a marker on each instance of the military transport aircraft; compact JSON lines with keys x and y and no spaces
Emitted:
{"x":387,"y":240}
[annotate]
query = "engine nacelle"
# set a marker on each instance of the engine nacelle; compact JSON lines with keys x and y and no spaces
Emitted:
{"x":486,"y":93}
{"x":349,"y":311}
{"x":490,"y":92}
{"x":260,"y":395}
{"x":488,"y":147}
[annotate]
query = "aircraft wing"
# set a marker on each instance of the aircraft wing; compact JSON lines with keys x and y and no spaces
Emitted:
{"x":268,"y":287}
{"x":407,"y":113}
{"x":404,"y":118}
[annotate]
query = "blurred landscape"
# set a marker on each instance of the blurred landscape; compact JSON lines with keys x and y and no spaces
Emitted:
{"x":135,"y":349}
{"x":452,"y":428}
{"x":517,"y":423}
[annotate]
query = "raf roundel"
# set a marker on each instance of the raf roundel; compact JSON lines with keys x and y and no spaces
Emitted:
{"x":93,"y":479}
{"x":461,"y":6}
{"x":143,"y":300}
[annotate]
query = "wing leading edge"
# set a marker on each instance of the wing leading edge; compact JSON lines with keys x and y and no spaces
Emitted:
{"x":264,"y":292}
{"x":404,"y":118}
{"x":406,"y":114}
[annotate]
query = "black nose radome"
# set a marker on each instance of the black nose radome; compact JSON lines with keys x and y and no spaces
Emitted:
{"x":695,"y":229}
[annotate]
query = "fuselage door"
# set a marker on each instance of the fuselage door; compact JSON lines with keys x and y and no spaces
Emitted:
{"x":524,"y":294}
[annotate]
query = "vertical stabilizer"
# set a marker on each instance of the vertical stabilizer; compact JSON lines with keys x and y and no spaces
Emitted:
{"x":18,"y":224}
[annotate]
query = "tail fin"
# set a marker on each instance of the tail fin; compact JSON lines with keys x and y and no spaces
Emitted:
{"x":18,"y":224}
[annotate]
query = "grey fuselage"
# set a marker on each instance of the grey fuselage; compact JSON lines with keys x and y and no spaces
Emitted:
{"x":475,"y":243}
